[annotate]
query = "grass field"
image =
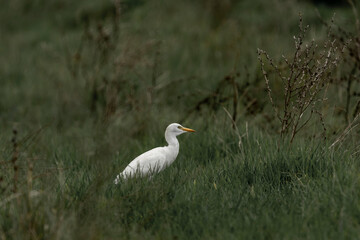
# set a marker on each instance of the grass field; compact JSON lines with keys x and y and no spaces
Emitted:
{"x":86,"y":86}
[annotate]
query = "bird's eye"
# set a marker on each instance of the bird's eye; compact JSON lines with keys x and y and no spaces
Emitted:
{"x":179,"y":127}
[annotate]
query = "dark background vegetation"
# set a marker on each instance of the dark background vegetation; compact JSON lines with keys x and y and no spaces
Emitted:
{"x":272,"y":88}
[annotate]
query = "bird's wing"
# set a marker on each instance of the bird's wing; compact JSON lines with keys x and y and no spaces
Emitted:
{"x":148,"y":162}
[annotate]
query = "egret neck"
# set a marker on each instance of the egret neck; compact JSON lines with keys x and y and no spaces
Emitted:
{"x":171,"y":139}
{"x":173,"y":147}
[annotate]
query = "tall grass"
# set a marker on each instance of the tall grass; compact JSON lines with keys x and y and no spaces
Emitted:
{"x":88,"y":87}
{"x":214,"y":189}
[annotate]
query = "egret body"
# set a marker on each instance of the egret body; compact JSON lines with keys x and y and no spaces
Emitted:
{"x":155,"y":160}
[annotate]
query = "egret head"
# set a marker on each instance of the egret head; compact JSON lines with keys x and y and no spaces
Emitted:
{"x":177,"y":129}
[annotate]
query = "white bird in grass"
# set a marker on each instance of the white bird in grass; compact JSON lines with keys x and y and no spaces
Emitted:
{"x":157,"y":159}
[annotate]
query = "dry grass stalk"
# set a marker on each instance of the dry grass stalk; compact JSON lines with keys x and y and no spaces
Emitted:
{"x":234,"y":127}
{"x":29,"y":177}
{"x":346,"y":132}
{"x":303,"y":78}
{"x":15,"y":156}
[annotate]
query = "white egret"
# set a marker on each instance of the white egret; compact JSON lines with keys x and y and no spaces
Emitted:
{"x":155,"y":160}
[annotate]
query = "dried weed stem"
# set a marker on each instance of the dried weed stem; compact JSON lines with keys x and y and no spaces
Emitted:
{"x":303,"y":78}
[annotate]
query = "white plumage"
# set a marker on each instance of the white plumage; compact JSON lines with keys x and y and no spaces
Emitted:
{"x":155,"y":160}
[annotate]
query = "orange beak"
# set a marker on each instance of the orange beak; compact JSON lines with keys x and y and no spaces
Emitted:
{"x":187,"y":129}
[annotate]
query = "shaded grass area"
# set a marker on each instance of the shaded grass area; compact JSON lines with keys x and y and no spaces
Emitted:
{"x":214,"y":189}
{"x":87,"y":92}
